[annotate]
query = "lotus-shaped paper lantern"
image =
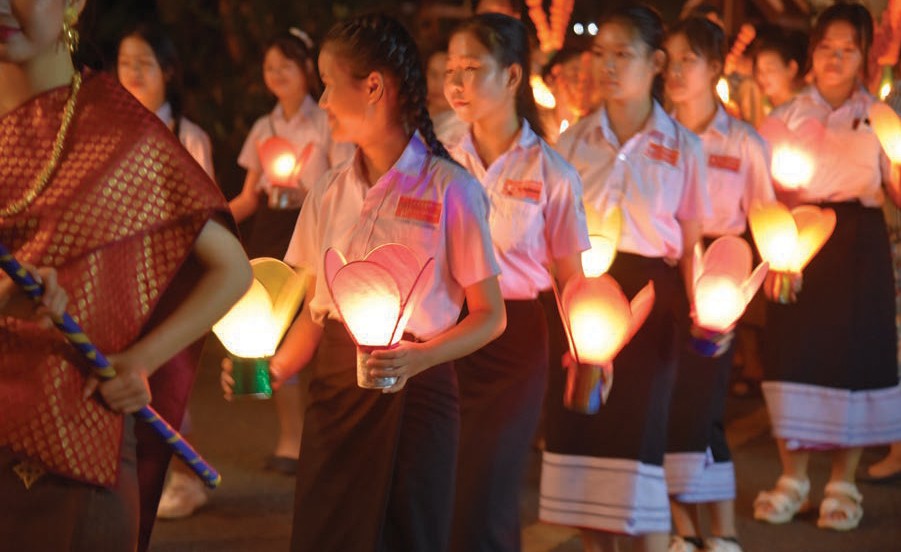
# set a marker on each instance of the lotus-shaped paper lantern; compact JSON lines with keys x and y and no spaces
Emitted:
{"x":253,"y":328}
{"x":376,"y":297}
{"x":792,"y":165}
{"x":887,"y":125}
{"x":723,"y":286}
{"x":599,"y":321}
{"x":788,"y":240}
{"x":603,"y":232}
{"x":282,"y":165}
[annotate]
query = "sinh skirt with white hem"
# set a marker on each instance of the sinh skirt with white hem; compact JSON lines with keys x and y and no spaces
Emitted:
{"x":831,"y":380}
{"x":698,"y":463}
{"x":605,"y":471}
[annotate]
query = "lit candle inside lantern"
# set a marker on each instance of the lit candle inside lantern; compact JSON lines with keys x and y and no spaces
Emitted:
{"x":543,"y":95}
{"x":722,"y":90}
{"x":282,"y":166}
{"x":253,"y":328}
{"x":604,"y":232}
{"x":792,"y":167}
{"x":887,"y":125}
{"x":599,"y":321}
{"x":723,"y":286}
{"x":564,"y":124}
{"x":375,"y":298}
{"x":788,"y":240}
{"x":885,"y":83}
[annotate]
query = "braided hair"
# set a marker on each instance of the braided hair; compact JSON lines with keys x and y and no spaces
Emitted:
{"x":377,"y":42}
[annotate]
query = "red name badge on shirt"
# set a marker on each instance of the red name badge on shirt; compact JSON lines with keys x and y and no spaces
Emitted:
{"x":659,"y":152}
{"x":523,"y":189}
{"x":725,"y":162}
{"x":420,"y":210}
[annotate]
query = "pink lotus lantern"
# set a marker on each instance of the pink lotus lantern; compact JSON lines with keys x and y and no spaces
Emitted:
{"x":792,"y":164}
{"x":599,"y":321}
{"x":376,"y":297}
{"x":723,"y":287}
{"x":788,"y":240}
{"x":282,"y":166}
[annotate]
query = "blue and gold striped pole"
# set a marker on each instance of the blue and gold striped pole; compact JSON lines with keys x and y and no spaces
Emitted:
{"x":104,"y":370}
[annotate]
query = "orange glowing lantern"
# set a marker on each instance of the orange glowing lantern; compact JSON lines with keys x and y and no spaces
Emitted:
{"x":282,"y":166}
{"x":599,"y":321}
{"x":543,"y":95}
{"x":723,"y":286}
{"x":253,"y":328}
{"x":375,"y":298}
{"x":603,"y":232}
{"x":887,"y":125}
{"x":788,"y":240}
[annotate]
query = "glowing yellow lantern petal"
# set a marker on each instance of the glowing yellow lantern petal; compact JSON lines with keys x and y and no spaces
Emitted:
{"x":815,"y":226}
{"x":887,"y":125}
{"x":775,"y":234}
{"x":604,"y":233}
{"x":719,"y":302}
{"x":248,"y":329}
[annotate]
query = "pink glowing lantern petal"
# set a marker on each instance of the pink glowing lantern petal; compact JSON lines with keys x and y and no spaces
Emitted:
{"x":369,"y":302}
{"x":599,"y":319}
{"x":377,"y":296}
{"x":724,"y":283}
{"x":792,"y":164}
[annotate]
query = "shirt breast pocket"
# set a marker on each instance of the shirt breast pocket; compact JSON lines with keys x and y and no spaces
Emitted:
{"x":516,"y":224}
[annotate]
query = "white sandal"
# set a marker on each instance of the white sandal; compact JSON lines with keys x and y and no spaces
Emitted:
{"x":786,"y":499}
{"x":843,"y":498}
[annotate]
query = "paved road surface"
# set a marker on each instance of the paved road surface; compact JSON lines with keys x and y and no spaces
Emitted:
{"x":251,"y":512}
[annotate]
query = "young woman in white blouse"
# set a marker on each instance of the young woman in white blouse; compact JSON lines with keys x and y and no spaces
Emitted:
{"x":737,"y":175}
{"x":537,"y":221}
{"x":831,"y":382}
{"x":604,"y":473}
{"x":377,"y":467}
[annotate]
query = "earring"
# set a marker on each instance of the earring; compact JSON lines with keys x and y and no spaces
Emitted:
{"x":70,"y":33}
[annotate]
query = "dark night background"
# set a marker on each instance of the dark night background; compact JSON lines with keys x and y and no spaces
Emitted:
{"x":221,"y":41}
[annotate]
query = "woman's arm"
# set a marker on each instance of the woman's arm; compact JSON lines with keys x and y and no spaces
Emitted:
{"x":487,"y":319}
{"x":566,"y":268}
{"x":691,"y":235}
{"x":226,"y":276}
{"x":247,"y":202}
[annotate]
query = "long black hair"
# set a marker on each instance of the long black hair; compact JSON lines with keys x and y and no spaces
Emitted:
{"x":155,"y":35}
{"x":648,"y":27}
{"x":377,"y":42}
{"x":507,"y":40}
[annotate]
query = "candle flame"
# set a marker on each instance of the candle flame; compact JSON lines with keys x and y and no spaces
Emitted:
{"x":722,"y":90}
{"x":791,"y":167}
{"x":718,"y":303}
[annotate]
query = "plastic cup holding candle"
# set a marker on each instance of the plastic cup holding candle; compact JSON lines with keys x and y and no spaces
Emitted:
{"x":253,"y":328}
{"x":282,"y":165}
{"x":788,"y":240}
{"x":376,"y":297}
{"x":599,"y":321}
{"x":723,"y":286}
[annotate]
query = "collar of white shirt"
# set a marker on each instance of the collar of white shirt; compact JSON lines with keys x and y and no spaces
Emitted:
{"x":307,"y":107}
{"x":859,"y":98}
{"x":527,"y":139}
{"x":410,"y":162}
{"x":658,"y":122}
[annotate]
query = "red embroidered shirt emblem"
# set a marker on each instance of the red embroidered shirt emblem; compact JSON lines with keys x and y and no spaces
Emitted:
{"x":659,"y":152}
{"x":523,"y":189}
{"x":725,"y":162}
{"x":421,"y":210}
